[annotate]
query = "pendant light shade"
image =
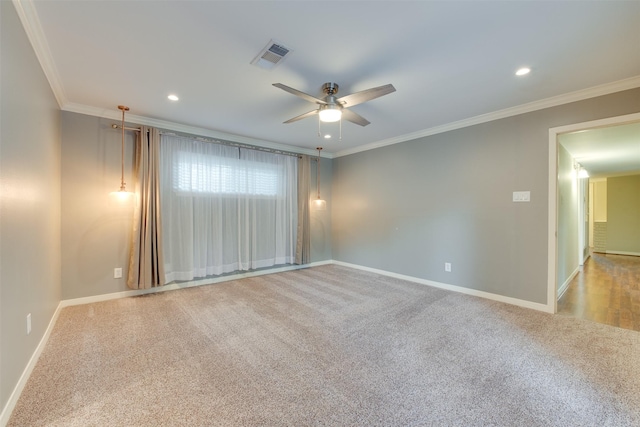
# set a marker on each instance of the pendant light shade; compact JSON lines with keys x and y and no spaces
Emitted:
{"x":318,"y":203}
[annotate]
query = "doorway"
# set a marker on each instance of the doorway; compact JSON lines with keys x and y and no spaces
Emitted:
{"x":565,"y":251}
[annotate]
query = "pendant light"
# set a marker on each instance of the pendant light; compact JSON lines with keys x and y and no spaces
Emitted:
{"x":319,"y":204}
{"x":122,"y":193}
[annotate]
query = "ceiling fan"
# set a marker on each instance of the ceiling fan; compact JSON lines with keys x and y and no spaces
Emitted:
{"x":331,"y":109}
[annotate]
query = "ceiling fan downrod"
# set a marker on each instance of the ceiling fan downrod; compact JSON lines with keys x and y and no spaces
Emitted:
{"x":330,"y":88}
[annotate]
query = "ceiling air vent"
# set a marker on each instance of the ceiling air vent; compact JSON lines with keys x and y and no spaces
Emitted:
{"x":273,"y":54}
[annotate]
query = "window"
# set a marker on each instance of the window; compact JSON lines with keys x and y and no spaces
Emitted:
{"x":208,"y":174}
{"x":225,"y":208}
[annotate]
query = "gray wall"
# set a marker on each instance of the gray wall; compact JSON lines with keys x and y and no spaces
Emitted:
{"x":623,"y":214}
{"x":29,"y":201}
{"x":410,"y":207}
{"x":321,"y":220}
{"x":96,"y":227}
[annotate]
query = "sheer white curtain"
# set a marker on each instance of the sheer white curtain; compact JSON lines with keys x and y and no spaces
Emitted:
{"x":225,"y":208}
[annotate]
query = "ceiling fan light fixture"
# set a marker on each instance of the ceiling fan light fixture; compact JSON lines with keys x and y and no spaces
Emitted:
{"x":330,"y":113}
{"x":330,"y":108}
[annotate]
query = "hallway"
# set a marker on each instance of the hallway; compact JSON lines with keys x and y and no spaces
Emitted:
{"x":606,"y":290}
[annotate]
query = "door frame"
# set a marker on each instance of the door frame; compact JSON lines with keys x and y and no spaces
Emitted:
{"x":552,"y":261}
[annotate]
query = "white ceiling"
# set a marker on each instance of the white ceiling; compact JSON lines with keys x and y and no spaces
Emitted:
{"x":452,"y":62}
{"x":605,"y":151}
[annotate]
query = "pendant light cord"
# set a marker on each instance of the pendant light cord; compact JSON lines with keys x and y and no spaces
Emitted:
{"x":122,"y":183}
{"x":318,"y":172}
{"x":122,"y":156}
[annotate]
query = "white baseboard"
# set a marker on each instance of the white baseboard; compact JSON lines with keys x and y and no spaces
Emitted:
{"x":563,"y":288}
{"x":17,"y":391}
{"x":473,"y":292}
{"x":183,"y":285}
{"x":623,"y":253}
{"x":13,"y":399}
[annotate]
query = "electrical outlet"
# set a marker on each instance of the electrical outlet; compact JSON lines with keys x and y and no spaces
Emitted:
{"x":28,"y":323}
{"x":117,"y":273}
{"x":447,"y":267}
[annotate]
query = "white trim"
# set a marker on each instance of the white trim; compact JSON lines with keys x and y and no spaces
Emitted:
{"x":454,"y":288}
{"x":15,"y":395}
{"x":552,"y":221}
{"x":553,"y":181}
{"x":192,"y":130}
{"x":31,"y":23}
{"x":562,"y":289}
{"x":184,"y":285}
{"x":605,"y":176}
{"x":605,"y":89}
{"x":17,"y":391}
{"x":623,"y":253}
{"x":609,"y":121}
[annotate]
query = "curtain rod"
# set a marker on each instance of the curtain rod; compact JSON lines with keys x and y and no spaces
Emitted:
{"x":231,"y":144}
{"x":216,"y":141}
{"x":115,"y":126}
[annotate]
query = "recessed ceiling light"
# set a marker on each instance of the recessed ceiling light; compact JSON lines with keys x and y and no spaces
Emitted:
{"x":523,"y":71}
{"x":327,"y":136}
{"x":173,"y":97}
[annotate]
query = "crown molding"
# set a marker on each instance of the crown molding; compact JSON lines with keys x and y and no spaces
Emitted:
{"x":29,"y":18}
{"x":186,"y":129}
{"x":31,"y":23}
{"x":605,"y":89}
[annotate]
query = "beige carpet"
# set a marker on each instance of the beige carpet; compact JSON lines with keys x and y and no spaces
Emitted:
{"x":329,"y":346}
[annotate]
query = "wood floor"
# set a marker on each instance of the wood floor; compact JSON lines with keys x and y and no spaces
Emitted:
{"x":607,"y":290}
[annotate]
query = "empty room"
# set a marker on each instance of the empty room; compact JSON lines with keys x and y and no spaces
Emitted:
{"x":305,"y":213}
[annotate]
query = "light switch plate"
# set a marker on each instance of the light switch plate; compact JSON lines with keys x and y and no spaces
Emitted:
{"x":521,"y":196}
{"x":117,"y":273}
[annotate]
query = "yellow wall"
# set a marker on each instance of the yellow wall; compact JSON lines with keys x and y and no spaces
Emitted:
{"x":600,"y":201}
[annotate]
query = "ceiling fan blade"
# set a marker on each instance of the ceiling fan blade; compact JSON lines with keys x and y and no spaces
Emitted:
{"x":365,"y":95}
{"x":302,"y":95}
{"x":354,"y":117}
{"x":302,"y":116}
